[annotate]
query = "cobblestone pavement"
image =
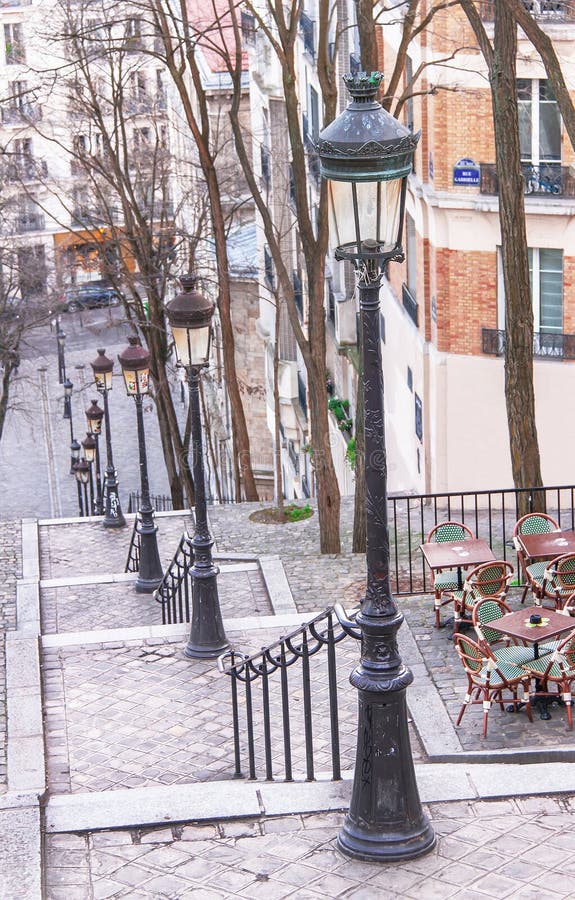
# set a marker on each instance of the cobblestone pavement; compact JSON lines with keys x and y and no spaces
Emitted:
{"x":122,"y":714}
{"x":10,"y":570}
{"x":516,"y":849}
{"x":103,"y":606}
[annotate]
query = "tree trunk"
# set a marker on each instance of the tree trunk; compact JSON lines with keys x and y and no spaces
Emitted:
{"x":277,"y":416}
{"x":519,"y":392}
{"x":367,"y":38}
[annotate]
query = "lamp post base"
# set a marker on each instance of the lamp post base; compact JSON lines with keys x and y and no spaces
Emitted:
{"x":150,"y":571}
{"x":207,"y":636}
{"x":386,"y":822}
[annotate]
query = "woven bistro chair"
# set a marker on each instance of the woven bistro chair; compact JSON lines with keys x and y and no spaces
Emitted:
{"x":484,"y":616}
{"x":488,"y":679}
{"x":532,"y":523}
{"x":557,"y":582}
{"x":558,"y":668}
{"x":446,"y":579}
{"x":489,"y":579}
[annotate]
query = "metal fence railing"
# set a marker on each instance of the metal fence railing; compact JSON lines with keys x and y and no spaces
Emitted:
{"x":285,"y":716}
{"x":133,"y":560}
{"x":491,"y":515}
{"x":175,"y":590}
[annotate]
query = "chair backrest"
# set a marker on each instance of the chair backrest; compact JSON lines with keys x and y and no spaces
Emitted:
{"x":490,"y":579}
{"x":470,"y":654}
{"x":535,"y":523}
{"x":562,"y":569}
{"x":568,"y":608}
{"x":567,"y":649}
{"x":449,"y":531}
{"x":486,"y":611}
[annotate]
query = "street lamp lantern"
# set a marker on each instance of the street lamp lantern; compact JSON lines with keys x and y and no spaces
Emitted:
{"x":82,"y":471}
{"x":75,"y":452}
{"x":89,"y":447}
{"x":190,"y":317}
{"x":366,"y":156}
{"x":68,"y":389}
{"x":102,"y":368}
{"x":94,"y":416}
{"x":135,"y":363}
{"x":61,"y":338}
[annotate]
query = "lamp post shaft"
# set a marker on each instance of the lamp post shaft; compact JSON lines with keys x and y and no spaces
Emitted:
{"x":99,"y":509}
{"x":385,"y":821}
{"x":80,"y":504}
{"x":150,"y":568}
{"x":207,"y":636}
{"x":114,"y":517}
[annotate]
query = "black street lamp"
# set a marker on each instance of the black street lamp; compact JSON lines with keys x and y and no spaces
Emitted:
{"x":135,"y":363}
{"x":82,"y":473}
{"x":94,"y":415}
{"x":75,"y":457}
{"x":190,"y":317}
{"x":89,"y":448}
{"x":113,"y":517}
{"x":366,"y":156}
{"x":61,"y":342}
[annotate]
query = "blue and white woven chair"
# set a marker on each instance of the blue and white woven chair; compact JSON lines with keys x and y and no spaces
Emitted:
{"x":558,"y":581}
{"x":446,"y":579}
{"x":558,"y":668}
{"x":532,"y":523}
{"x":489,"y":579}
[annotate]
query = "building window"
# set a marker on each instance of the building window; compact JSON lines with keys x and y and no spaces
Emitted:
{"x":546,"y":277}
{"x":539,"y":122}
{"x":418,"y":417}
{"x":14,"y":43}
{"x":32,"y":271}
{"x":409,"y":378}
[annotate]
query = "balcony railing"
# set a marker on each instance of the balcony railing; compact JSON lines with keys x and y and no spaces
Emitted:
{"x":16,"y":115}
{"x":547,"y":180}
{"x":297,"y":293}
{"x":545,"y":344}
{"x":546,"y":10}
{"x":30,"y":222}
{"x":409,"y":303}
{"x":265,"y":159}
{"x":307,"y":28}
{"x":27,"y":169}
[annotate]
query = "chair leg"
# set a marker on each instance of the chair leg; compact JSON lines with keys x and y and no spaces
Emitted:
{"x":568,"y":707}
{"x":437,"y":610}
{"x":486,"y":708}
{"x":524,"y":594}
{"x":527,"y":699}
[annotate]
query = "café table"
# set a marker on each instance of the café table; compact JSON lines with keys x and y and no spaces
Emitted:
{"x":518,"y":625}
{"x":456,"y":555}
{"x":547,"y":545}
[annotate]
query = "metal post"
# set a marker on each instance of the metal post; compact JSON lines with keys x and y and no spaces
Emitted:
{"x":80,"y":504}
{"x":207,"y":635}
{"x":91,"y":484}
{"x":386,"y":822}
{"x":150,"y":571}
{"x":99,"y":506}
{"x":114,"y":517}
{"x":86,"y":503}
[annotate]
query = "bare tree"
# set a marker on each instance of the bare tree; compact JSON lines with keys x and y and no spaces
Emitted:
{"x":500,"y":58}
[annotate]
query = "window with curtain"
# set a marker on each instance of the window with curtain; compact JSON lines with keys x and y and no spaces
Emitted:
{"x":539,"y":122}
{"x":546,"y":277}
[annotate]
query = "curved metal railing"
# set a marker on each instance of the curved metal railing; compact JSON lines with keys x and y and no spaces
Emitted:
{"x":133,"y":560}
{"x":175,"y":590}
{"x":248,"y":671}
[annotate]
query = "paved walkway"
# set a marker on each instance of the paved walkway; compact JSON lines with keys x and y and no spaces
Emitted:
{"x":136,"y":735}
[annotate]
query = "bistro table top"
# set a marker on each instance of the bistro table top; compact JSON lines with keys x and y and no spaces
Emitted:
{"x":452,"y":554}
{"x":548,"y":545}
{"x":517,"y":624}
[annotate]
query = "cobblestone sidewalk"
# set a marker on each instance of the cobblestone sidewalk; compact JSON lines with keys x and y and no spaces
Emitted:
{"x":516,"y":849}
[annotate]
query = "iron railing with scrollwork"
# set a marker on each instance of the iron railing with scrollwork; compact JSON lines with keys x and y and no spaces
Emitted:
{"x":551,"y":345}
{"x":545,"y":180}
{"x":133,"y":560}
{"x":542,"y":10}
{"x":272,"y":743}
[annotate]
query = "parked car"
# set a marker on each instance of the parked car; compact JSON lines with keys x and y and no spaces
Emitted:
{"x":89,"y":295}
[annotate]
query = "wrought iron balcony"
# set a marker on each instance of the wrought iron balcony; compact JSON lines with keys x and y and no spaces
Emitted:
{"x":30,"y":222}
{"x":545,"y":344}
{"x":546,"y":10}
{"x":17,"y":115}
{"x":307,"y":29}
{"x":409,"y":303}
{"x":547,"y":180}
{"x":265,"y":159}
{"x":302,"y":393}
{"x":26,"y":168}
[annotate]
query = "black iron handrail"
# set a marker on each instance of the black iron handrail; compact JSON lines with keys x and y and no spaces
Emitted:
{"x":325,"y":630}
{"x":133,"y":560}
{"x":175,"y":589}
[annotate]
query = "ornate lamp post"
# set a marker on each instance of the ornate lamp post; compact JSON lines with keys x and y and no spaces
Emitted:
{"x":82,"y":473}
{"x":89,"y":448}
{"x":61,"y":341}
{"x":75,"y":457}
{"x":366,"y":155}
{"x":94,"y":415}
{"x":190,"y":317}
{"x":114,"y":517}
{"x":135,"y":363}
